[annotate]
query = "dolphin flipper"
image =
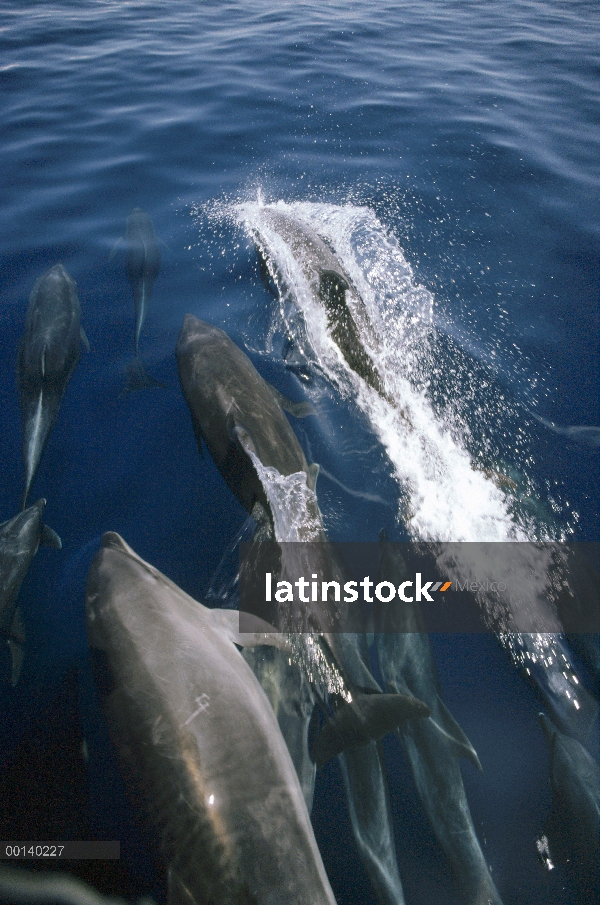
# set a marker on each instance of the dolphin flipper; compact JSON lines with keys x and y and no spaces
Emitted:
{"x":50,"y":538}
{"x":177,"y":891}
{"x":138,"y":378}
{"x":120,"y":242}
{"x":84,"y":339}
{"x":297,"y":409}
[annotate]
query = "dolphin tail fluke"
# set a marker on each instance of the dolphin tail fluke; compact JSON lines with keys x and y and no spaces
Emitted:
{"x":138,"y":378}
{"x":367,"y":718}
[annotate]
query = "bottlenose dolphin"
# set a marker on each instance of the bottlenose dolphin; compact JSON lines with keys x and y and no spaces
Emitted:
{"x":49,"y":350}
{"x":347,"y":317}
{"x":199,"y":742}
{"x":20,"y":538}
{"x":574,"y":828}
{"x":234,"y":411}
{"x":142,"y":261}
{"x":433,"y":746}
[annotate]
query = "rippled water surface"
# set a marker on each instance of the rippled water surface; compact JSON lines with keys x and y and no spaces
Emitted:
{"x":449,"y":153}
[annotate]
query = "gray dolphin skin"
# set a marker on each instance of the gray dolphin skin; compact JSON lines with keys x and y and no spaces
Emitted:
{"x":50,"y":349}
{"x":433,"y":746}
{"x":143,"y":263}
{"x":234,"y":410}
{"x":346,"y":314}
{"x":199,"y":742}
{"x":293,"y":700}
{"x":20,"y":538}
{"x":367,"y":794}
{"x":575,"y":782}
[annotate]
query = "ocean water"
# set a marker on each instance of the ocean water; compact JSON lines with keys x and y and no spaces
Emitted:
{"x":449,"y":154}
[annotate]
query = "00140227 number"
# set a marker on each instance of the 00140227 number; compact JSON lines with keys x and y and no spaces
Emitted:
{"x":91,"y":850}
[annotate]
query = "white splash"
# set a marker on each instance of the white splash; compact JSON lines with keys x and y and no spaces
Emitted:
{"x":443,"y":496}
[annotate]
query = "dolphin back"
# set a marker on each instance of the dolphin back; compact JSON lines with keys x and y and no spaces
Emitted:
{"x":143,"y":252}
{"x":193,"y":727}
{"x":49,"y":351}
{"x":51,"y":343}
{"x":234,"y":410}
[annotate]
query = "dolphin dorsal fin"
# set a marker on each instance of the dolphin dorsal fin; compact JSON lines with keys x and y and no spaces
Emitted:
{"x":313,"y":474}
{"x":240,"y":435}
{"x":84,"y":339}
{"x":228,"y":623}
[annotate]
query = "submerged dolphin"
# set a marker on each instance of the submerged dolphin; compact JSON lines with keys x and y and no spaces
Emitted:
{"x":49,"y":350}
{"x":587,"y":434}
{"x":433,"y":746}
{"x":235,"y":412}
{"x":293,"y":701}
{"x":199,"y":742}
{"x":575,"y":827}
{"x":20,"y":538}
{"x":346,"y":314}
{"x":142,"y":262}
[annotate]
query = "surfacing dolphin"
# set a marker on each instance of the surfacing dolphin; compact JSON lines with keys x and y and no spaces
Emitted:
{"x":142,"y":261}
{"x":49,"y":350}
{"x":199,"y":742}
{"x":20,"y":538}
{"x":347,"y":317}
{"x":234,"y":411}
{"x":433,"y":746}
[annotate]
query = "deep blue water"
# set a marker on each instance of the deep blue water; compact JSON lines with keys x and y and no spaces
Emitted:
{"x":463,"y":135}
